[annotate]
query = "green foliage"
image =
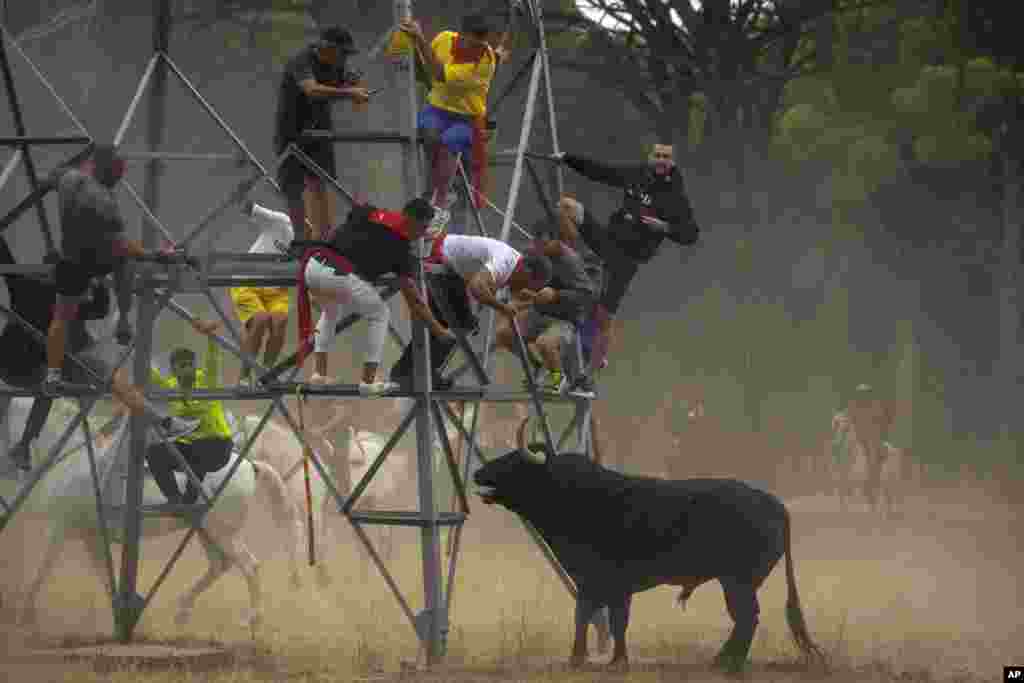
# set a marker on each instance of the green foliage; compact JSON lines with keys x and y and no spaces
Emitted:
{"x":854,"y":117}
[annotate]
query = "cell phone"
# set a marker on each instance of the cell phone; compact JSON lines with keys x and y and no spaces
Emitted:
{"x":371,"y":93}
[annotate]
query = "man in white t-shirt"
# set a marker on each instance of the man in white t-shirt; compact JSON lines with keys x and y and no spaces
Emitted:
{"x":488,"y":265}
{"x":264,"y":310}
{"x":481,"y":266}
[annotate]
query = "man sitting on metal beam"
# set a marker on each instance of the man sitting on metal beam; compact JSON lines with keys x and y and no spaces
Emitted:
{"x":263,"y":311}
{"x":312,"y":79}
{"x":654,"y":206}
{"x":93,"y":245}
{"x":484,"y":267}
{"x":551,"y":323}
{"x":342,"y":272}
{"x":23,"y":354}
{"x":461,"y":66}
{"x":208,"y":448}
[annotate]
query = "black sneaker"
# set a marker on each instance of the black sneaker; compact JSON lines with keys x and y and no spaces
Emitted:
{"x":176,"y":427}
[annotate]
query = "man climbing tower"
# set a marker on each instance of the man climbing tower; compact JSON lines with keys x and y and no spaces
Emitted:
{"x":654,"y":206}
{"x":454,"y":121}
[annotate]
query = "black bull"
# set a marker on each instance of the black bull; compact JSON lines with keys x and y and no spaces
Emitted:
{"x":617,"y":535}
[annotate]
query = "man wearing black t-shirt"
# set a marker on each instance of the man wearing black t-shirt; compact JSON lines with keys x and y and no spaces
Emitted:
{"x":312,"y":79}
{"x":342,"y":272}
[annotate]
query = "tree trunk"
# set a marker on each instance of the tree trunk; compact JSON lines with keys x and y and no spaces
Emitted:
{"x":1010,"y":356}
{"x":824,"y":41}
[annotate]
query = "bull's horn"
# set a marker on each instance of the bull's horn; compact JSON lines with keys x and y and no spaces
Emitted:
{"x":532,"y":456}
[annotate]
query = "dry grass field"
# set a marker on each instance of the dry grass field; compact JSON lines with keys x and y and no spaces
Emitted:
{"x":935,"y":595}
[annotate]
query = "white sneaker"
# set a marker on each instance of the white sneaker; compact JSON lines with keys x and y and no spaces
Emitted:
{"x":377,"y":388}
{"x":439,"y":223}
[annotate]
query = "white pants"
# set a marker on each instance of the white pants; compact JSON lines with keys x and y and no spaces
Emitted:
{"x":355,"y":295}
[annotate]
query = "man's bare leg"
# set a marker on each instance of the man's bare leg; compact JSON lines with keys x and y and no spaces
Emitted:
{"x":549,"y":348}
{"x":326,"y":208}
{"x":252,"y":338}
{"x":56,"y":343}
{"x":603,"y":341}
{"x":56,"y":338}
{"x":123,"y":291}
{"x":275,"y":338}
{"x":320,"y":205}
{"x":568,"y":210}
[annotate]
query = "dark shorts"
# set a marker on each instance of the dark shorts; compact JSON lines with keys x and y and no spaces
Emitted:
{"x":292,"y":174}
{"x":74,"y":278}
{"x":537,"y":324}
{"x":455,"y":131}
{"x":619,"y":268}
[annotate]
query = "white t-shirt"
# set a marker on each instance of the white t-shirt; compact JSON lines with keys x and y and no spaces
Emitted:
{"x":276,"y":232}
{"x":466,"y":254}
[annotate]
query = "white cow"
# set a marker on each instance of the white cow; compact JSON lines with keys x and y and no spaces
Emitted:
{"x":69,"y":503}
{"x":278,"y":446}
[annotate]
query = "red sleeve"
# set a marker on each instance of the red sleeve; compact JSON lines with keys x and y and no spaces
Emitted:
{"x":392,"y":220}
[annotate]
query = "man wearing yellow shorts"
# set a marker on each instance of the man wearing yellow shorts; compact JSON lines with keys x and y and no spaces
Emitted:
{"x":264,"y":310}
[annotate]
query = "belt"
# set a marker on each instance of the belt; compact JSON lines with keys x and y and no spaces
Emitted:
{"x":328,"y":259}
{"x":327,"y":263}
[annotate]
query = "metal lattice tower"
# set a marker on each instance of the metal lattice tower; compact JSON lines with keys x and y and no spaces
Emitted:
{"x":156,"y":286}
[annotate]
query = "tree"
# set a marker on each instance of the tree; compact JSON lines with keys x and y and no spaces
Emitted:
{"x":954,"y":106}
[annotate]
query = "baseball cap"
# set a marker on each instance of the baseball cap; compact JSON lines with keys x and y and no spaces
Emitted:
{"x":340,"y":38}
{"x":477,"y":23}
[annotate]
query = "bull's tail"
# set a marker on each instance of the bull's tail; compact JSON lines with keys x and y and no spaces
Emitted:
{"x":794,"y":612}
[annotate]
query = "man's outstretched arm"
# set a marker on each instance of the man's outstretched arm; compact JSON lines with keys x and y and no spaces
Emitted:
{"x":616,"y":176}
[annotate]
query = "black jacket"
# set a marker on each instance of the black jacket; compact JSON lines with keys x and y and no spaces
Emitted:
{"x":644,"y":194}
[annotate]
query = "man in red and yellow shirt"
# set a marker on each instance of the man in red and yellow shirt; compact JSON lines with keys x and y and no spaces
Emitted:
{"x":461,"y":67}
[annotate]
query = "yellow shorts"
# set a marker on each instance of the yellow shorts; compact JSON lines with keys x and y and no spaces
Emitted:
{"x":252,"y":300}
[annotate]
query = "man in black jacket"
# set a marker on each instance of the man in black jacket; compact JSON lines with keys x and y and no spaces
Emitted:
{"x":654,"y":206}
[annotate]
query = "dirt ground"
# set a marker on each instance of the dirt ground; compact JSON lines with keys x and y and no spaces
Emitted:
{"x":933,"y":595}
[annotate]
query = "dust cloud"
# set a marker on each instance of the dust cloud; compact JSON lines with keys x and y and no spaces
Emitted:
{"x":936,"y":589}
